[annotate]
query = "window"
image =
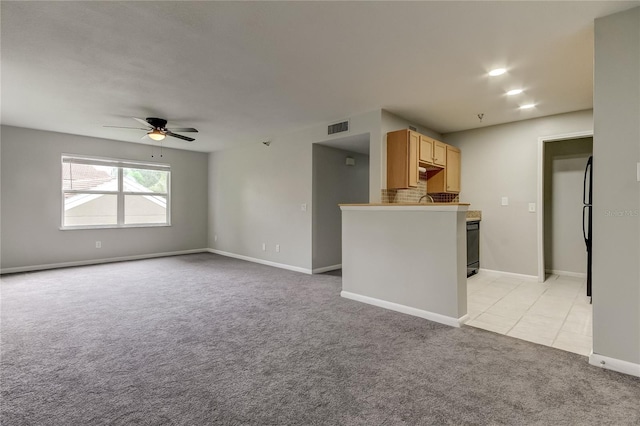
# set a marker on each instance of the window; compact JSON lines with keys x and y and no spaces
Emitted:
{"x":104,"y":193}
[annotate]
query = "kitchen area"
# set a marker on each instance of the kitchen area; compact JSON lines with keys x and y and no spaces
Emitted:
{"x":425,"y":240}
{"x":431,"y":238}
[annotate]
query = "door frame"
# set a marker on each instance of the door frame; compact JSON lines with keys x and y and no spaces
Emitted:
{"x":542,"y":140}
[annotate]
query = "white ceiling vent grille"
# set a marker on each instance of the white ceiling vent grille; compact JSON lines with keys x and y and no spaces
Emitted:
{"x":338,"y":127}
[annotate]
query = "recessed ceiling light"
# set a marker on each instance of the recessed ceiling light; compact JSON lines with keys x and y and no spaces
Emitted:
{"x":497,"y":71}
{"x":514,"y":92}
{"x":527,"y":106}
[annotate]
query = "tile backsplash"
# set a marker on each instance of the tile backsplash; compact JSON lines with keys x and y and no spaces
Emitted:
{"x":412,"y":195}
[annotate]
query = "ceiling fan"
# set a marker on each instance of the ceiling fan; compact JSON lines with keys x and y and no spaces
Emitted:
{"x":156,"y":130}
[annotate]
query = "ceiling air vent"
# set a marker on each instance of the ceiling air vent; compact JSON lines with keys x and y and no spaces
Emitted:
{"x":414,"y":128}
{"x":338,"y":127}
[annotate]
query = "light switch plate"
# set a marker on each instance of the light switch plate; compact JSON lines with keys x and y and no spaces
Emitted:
{"x":532,"y":207}
{"x":303,"y":207}
{"x":505,"y":201}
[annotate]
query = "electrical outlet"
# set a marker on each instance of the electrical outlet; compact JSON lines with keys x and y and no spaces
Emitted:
{"x":98,"y":244}
{"x":532,"y":207}
{"x":277,"y":248}
{"x":303,"y":207}
{"x":264,"y":247}
{"x":505,"y":201}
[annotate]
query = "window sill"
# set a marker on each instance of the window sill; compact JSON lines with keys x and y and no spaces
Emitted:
{"x":150,"y":225}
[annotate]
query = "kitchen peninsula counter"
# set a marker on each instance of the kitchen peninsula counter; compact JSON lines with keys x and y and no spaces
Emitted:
{"x":394,"y":205}
{"x":409,"y":258}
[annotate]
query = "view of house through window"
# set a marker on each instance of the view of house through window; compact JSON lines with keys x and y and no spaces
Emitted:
{"x":111,"y":193}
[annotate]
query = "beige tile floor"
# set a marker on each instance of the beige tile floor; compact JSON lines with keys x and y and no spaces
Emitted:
{"x":555,"y":313}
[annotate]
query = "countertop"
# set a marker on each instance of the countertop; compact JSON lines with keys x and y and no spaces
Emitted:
{"x":404,"y":204}
{"x":472,"y":215}
{"x":403,"y":207}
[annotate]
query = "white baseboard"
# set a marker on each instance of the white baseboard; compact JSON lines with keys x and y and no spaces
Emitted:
{"x":97,"y":261}
{"x":614,"y":364}
{"x":431,"y":316}
{"x":510,"y":274}
{"x":566,"y":273}
{"x":261,"y":261}
{"x":327,"y":269}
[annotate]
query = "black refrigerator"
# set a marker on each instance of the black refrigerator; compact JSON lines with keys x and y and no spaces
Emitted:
{"x":587,"y":217}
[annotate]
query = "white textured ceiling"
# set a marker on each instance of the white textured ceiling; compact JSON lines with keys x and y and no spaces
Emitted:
{"x":242,"y":72}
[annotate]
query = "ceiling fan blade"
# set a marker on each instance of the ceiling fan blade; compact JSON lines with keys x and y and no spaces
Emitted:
{"x":175,"y":135}
{"x":120,"y":127}
{"x":140,"y":120}
{"x":183,"y":129}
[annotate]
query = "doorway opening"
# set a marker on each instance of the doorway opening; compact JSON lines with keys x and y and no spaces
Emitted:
{"x":561,"y":164}
{"x":340,"y":176}
{"x":563,"y":184}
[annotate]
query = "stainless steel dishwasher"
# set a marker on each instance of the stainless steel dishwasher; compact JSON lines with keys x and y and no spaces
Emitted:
{"x":473,"y":247}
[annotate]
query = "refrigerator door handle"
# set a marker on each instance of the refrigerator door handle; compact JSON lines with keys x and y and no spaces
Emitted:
{"x":585,"y":192}
{"x":584,"y":229}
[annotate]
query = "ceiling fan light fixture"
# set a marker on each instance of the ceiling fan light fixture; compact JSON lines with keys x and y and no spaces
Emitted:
{"x":156,"y":135}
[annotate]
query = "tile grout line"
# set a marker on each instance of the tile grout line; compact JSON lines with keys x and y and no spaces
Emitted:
{"x":522,"y":316}
{"x":484,"y":311}
{"x":564,"y":320}
{"x":573,"y":303}
{"x":512,"y":290}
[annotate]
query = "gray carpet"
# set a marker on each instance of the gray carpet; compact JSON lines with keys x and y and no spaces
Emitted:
{"x":203,"y":339}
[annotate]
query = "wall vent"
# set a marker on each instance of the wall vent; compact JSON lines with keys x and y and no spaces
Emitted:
{"x":414,"y":128}
{"x":338,"y":127}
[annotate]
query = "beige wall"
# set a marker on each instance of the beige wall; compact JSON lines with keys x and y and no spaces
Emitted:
{"x":256,"y":193}
{"x":616,"y":197}
{"x":411,"y":256}
{"x":499,"y":161}
{"x":31,"y":202}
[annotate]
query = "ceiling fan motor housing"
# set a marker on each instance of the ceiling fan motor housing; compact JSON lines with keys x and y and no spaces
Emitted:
{"x":158,"y":123}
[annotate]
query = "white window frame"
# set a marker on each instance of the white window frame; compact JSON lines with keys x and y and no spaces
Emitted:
{"x":120,"y":193}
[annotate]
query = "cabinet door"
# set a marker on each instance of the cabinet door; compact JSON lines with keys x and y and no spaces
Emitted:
{"x":402,"y":159}
{"x":439,"y":153}
{"x":453,"y":169}
{"x":426,"y":149}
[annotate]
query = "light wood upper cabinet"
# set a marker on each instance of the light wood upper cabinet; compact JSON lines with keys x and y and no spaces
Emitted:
{"x":402,"y":159}
{"x":432,"y":152}
{"x":407,"y":149}
{"x":453,"y":169}
{"x":426,"y":149}
{"x":439,"y":153}
{"x":448,"y":179}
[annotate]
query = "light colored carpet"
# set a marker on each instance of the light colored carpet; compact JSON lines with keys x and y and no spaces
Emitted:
{"x":204,"y":339}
